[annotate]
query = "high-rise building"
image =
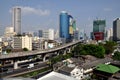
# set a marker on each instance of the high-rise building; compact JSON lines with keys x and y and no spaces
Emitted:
{"x":40,"y":33}
{"x":76,"y":35}
{"x":9,"y":32}
{"x":64,"y":25}
{"x":116,"y":30}
{"x":71,"y":25}
{"x":99,"y":25}
{"x":99,"y":29}
{"x":16,"y":19}
{"x":82,"y":34}
{"x":56,"y":34}
{"x":45,"y":34}
{"x":109,"y":34}
{"x":48,"y":34}
{"x":74,"y":25}
{"x":35,"y":34}
{"x":51,"y":34}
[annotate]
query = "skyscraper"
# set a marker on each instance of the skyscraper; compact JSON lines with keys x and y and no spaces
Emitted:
{"x":116,"y":30}
{"x":64,"y":25}
{"x":98,"y":29}
{"x":109,"y":34}
{"x":74,"y":25}
{"x":16,"y":19}
{"x":40,"y":33}
{"x":70,"y":26}
{"x":99,"y":26}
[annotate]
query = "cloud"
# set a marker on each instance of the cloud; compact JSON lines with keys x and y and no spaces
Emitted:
{"x":26,"y":10}
{"x":107,"y":9}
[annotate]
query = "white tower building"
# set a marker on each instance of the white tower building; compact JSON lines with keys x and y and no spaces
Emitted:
{"x":109,"y":34}
{"x":51,"y":34}
{"x":48,"y":34}
{"x":9,"y":32}
{"x":16,"y":19}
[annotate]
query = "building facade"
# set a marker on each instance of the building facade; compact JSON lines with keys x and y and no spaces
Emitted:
{"x":109,"y":34}
{"x":22,"y":42}
{"x":64,"y":25}
{"x":116,"y":30}
{"x":9,"y":32}
{"x":99,"y":29}
{"x":51,"y":34}
{"x":48,"y":34}
{"x":16,"y":19}
{"x":40,"y":33}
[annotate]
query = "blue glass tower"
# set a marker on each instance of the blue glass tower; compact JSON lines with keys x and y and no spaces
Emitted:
{"x":64,"y":25}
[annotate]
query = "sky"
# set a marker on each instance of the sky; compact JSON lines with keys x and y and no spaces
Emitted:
{"x":44,"y":14}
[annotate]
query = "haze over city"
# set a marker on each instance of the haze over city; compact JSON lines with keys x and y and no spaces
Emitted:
{"x":60,"y":39}
{"x":39,"y":14}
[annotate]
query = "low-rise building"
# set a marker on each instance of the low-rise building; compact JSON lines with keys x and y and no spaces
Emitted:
{"x":81,"y":69}
{"x":115,"y":63}
{"x":21,"y":42}
{"x":77,"y":73}
{"x":105,"y":71}
{"x":56,"y":76}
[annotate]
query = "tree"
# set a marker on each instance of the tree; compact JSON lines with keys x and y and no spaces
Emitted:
{"x":116,"y":55}
{"x":25,"y":49}
{"x":95,"y":50}
{"x":109,"y":46}
{"x":8,"y":50}
{"x":89,"y":49}
{"x":77,"y":49}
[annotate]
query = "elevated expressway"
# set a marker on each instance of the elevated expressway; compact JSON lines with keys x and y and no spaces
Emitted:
{"x":37,"y":52}
{"x":18,"y":56}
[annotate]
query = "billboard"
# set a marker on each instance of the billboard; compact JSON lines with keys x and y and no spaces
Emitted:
{"x":98,"y":35}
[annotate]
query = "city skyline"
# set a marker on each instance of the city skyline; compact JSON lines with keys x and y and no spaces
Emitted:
{"x":45,"y":14}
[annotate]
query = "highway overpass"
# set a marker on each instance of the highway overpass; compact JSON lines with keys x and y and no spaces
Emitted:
{"x":37,"y":52}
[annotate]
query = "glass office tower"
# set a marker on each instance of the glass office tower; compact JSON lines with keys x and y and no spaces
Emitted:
{"x":64,"y":25}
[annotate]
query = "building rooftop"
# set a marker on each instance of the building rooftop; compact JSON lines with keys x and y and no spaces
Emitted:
{"x":107,"y":68}
{"x":116,"y":63}
{"x":75,"y":60}
{"x":112,"y":79}
{"x":66,"y":69}
{"x":63,"y":12}
{"x":17,"y":78}
{"x":92,"y":64}
{"x":117,"y":75}
{"x":56,"y":76}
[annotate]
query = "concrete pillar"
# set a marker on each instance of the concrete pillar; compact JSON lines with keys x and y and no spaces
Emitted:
{"x":58,"y":52}
{"x":39,"y":56}
{"x":69,"y":50}
{"x":61,"y":52}
{"x":44,"y":58}
{"x":46,"y":45}
{"x":65,"y":51}
{"x":12,"y":62}
{"x":15,"y":64}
